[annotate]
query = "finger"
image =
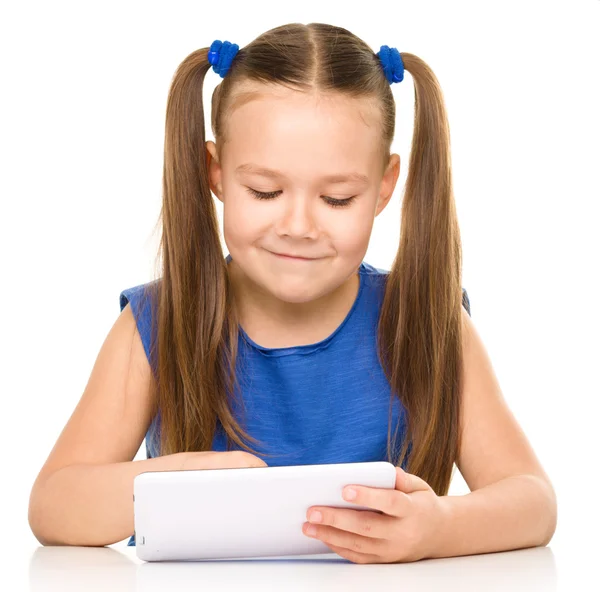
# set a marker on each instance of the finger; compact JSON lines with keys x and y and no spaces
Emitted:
{"x":362,"y":522}
{"x":354,"y":556}
{"x":409,"y":483}
{"x":347,"y":540}
{"x":389,"y":501}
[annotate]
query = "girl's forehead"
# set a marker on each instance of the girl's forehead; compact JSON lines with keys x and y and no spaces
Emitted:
{"x":316,"y":128}
{"x":285,"y":110}
{"x":263,"y":95}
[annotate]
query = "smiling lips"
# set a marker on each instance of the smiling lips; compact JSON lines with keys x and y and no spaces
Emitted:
{"x":293,"y":258}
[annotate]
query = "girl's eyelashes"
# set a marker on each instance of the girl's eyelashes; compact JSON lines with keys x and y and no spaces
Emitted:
{"x":336,"y":203}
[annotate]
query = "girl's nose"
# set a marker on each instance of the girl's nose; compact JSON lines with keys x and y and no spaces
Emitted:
{"x":298,"y":218}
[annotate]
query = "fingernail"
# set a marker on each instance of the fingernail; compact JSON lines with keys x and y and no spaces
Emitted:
{"x":349,"y":493}
{"x":316,"y":516}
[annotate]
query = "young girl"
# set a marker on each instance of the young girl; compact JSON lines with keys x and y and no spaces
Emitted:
{"x":293,"y":349}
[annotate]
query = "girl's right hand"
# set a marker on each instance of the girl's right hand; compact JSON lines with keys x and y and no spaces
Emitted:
{"x":231,"y":459}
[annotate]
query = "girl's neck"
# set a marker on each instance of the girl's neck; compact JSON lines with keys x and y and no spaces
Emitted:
{"x":272,"y":323}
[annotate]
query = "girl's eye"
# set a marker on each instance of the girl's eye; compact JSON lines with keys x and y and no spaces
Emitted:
{"x":336,"y":203}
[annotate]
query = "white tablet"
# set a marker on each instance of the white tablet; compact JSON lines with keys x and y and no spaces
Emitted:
{"x":247,"y":513}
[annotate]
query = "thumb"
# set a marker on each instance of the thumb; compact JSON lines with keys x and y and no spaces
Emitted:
{"x":408,"y":483}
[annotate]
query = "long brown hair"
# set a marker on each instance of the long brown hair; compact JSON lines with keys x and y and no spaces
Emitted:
{"x":195,"y":333}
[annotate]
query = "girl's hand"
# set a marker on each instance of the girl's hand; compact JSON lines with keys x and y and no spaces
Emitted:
{"x":405,"y":530}
{"x":231,"y":459}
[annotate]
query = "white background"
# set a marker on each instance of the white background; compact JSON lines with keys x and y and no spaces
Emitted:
{"x":84,"y":89}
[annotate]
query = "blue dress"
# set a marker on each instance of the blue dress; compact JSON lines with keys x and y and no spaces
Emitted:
{"x":291,"y":394}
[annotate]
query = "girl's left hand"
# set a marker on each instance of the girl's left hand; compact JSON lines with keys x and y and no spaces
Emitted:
{"x":406,"y":530}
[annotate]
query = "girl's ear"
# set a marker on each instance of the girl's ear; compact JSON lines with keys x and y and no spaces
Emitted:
{"x":214,"y":169}
{"x":388,"y":183}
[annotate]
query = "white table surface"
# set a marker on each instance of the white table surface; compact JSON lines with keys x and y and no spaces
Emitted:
{"x":117,"y":569}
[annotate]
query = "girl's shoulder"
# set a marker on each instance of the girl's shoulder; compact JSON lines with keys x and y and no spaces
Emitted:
{"x":139,"y":296}
{"x":379,"y":276}
{"x":371,"y":270}
{"x":142,"y":302}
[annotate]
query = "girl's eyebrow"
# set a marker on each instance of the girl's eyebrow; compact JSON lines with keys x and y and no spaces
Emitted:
{"x":339,"y":178}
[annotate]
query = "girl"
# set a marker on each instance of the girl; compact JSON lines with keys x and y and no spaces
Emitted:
{"x":292,"y":348}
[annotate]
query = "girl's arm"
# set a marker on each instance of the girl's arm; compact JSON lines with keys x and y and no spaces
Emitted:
{"x":511,"y":503}
{"x":83,"y":495}
{"x":515,"y":513}
{"x":89,"y":504}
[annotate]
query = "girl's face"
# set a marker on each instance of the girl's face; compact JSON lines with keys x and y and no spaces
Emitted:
{"x":317,"y":160}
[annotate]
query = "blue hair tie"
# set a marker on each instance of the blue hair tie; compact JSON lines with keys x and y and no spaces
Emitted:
{"x":393,"y":66}
{"x":221,"y":54}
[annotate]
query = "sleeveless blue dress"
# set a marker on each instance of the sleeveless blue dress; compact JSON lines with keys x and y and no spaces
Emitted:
{"x":292,"y":394}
